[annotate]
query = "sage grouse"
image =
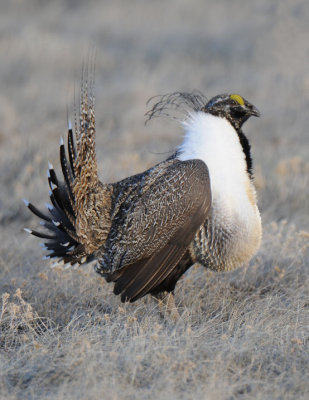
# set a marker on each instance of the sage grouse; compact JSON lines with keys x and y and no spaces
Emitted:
{"x":197,"y":206}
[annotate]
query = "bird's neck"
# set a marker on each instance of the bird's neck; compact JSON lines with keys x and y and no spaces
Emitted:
{"x":234,"y":223}
{"x":215,"y":141}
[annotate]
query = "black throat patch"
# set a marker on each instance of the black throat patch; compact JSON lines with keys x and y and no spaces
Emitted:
{"x":247,"y":151}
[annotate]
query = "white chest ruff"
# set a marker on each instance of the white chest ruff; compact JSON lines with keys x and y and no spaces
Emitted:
{"x":235,"y":216}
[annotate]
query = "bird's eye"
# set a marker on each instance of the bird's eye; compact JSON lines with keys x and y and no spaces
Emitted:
{"x":237,"y":111}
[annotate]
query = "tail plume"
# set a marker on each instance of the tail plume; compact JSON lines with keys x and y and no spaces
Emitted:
{"x":77,"y":222}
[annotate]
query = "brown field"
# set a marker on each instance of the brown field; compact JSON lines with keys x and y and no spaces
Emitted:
{"x":242,"y":335}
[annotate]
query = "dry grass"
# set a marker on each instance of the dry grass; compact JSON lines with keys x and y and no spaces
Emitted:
{"x":242,"y":335}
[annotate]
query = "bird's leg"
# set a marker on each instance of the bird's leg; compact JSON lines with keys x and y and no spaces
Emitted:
{"x":167,"y":306}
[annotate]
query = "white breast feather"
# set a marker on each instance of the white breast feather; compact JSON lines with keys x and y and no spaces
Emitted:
{"x":235,"y":215}
{"x":215,"y":141}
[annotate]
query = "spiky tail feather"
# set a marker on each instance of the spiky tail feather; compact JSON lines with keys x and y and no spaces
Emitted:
{"x":67,"y":223}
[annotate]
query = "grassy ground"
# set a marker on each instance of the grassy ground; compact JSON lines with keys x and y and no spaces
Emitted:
{"x":242,"y":335}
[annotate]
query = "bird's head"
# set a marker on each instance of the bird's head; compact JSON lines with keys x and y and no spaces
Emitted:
{"x":233,"y":107}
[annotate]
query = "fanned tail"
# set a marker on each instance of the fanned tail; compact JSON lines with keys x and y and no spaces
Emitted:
{"x":77,"y":221}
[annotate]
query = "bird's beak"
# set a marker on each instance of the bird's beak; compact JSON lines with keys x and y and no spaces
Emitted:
{"x":253,"y":111}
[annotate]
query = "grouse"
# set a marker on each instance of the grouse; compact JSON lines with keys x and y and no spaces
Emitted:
{"x":145,"y":231}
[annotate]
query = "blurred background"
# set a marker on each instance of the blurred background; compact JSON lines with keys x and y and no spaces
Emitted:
{"x":143,"y":48}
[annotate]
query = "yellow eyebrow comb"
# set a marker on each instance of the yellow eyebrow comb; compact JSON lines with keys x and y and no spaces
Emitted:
{"x":237,"y":98}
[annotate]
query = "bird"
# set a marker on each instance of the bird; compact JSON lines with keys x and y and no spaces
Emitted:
{"x":145,"y":231}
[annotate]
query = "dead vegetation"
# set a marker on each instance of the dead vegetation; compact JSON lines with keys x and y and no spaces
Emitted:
{"x":243,"y":334}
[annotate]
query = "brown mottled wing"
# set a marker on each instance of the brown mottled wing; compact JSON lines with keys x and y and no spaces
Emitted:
{"x":175,"y":206}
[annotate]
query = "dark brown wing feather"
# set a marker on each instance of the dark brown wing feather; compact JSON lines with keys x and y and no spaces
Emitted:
{"x":139,"y":278}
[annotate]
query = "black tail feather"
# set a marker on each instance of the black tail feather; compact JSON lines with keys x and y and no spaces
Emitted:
{"x":38,"y":213}
{"x":65,"y":210}
{"x":55,"y":199}
{"x":42,"y":235}
{"x":71,"y":151}
{"x":61,"y":238}
{"x":52,"y":177}
{"x":66,"y":170}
